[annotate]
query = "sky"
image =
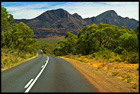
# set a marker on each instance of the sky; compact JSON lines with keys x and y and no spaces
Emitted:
{"x":29,"y":10}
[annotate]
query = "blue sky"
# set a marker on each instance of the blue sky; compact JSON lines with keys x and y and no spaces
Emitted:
{"x":29,"y":10}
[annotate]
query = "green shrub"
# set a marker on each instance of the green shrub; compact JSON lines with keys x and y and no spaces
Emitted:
{"x":105,"y":53}
{"x":31,"y":55}
{"x":129,"y":80}
{"x":138,"y":68}
{"x":133,"y":58}
{"x":68,"y":56}
{"x":136,"y":86}
{"x":111,"y":61}
{"x":118,"y":58}
{"x":119,"y":50}
{"x":15,"y":60}
{"x":90,"y":56}
{"x":79,"y":55}
{"x":93,"y":55}
{"x":96,"y":58}
{"x":115,"y":73}
{"x":6,"y":54}
{"x":4,"y":62}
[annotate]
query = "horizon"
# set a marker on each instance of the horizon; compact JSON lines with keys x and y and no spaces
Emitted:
{"x":30,"y":10}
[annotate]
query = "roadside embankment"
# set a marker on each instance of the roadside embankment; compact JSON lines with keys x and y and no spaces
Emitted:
{"x":114,"y":78}
{"x":10,"y":58}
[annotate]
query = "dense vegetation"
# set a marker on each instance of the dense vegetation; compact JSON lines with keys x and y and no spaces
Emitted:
{"x":16,"y":40}
{"x":16,"y":36}
{"x":47,"y":45}
{"x":104,"y":41}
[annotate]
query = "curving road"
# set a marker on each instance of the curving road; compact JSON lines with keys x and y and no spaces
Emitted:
{"x":45,"y":74}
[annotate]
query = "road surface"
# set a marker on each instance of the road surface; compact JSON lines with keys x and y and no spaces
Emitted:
{"x":45,"y":74}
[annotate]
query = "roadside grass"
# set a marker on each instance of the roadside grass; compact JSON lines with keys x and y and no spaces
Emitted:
{"x":136,"y":86}
{"x":10,"y":58}
{"x":115,"y":73}
{"x":113,"y":66}
{"x":129,"y":80}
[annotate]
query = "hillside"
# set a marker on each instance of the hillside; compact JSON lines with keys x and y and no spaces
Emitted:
{"x":112,"y":18}
{"x":58,"y":22}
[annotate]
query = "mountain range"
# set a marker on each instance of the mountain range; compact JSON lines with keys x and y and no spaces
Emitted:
{"x":58,"y":22}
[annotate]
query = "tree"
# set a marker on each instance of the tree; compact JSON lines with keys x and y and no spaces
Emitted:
{"x":72,"y":42}
{"x":16,"y":36}
{"x":129,"y":42}
{"x":137,"y":31}
{"x":5,"y":19}
{"x":21,"y":36}
{"x":101,"y":36}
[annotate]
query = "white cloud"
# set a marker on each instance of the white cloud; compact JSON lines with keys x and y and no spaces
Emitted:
{"x":90,"y":9}
{"x":85,"y":9}
{"x":27,"y":11}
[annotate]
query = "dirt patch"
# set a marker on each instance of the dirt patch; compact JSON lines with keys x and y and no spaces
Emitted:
{"x":101,"y":78}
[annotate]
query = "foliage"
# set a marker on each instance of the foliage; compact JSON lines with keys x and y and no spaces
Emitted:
{"x":102,"y":41}
{"x":138,"y":68}
{"x":133,"y":57}
{"x":5,"y":19}
{"x":16,"y":36}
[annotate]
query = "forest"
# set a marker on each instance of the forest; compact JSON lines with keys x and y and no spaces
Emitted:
{"x":104,"y":41}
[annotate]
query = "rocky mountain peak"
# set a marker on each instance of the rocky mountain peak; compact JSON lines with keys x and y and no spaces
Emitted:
{"x":53,"y":15}
{"x":59,"y":12}
{"x":75,"y":15}
{"x":109,"y":13}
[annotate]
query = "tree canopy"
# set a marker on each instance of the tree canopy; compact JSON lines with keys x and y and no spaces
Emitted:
{"x":97,"y":38}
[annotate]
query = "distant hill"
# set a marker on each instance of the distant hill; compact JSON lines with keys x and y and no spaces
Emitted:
{"x":58,"y":22}
{"x":112,"y":18}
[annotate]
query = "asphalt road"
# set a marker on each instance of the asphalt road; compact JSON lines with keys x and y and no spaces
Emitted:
{"x":45,"y":74}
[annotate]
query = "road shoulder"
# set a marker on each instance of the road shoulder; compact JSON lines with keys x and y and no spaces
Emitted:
{"x":100,"y":79}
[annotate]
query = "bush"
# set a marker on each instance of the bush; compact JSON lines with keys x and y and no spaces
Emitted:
{"x":119,"y":50}
{"x":112,"y":61}
{"x":129,"y":80}
{"x":79,"y":55}
{"x":15,"y":60}
{"x":6,"y":54}
{"x":90,"y":56}
{"x":93,"y":55}
{"x":105,"y":54}
{"x":118,"y":58}
{"x":124,"y":55}
{"x":96,"y":58}
{"x":5,"y":61}
{"x":136,"y":86}
{"x":138,"y":68}
{"x":133,"y":58}
{"x":22,"y":55}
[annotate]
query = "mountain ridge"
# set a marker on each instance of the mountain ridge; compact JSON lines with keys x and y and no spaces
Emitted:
{"x":59,"y":21}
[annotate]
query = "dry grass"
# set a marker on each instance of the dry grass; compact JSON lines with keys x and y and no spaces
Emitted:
{"x":10,"y":59}
{"x":124,"y":71}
